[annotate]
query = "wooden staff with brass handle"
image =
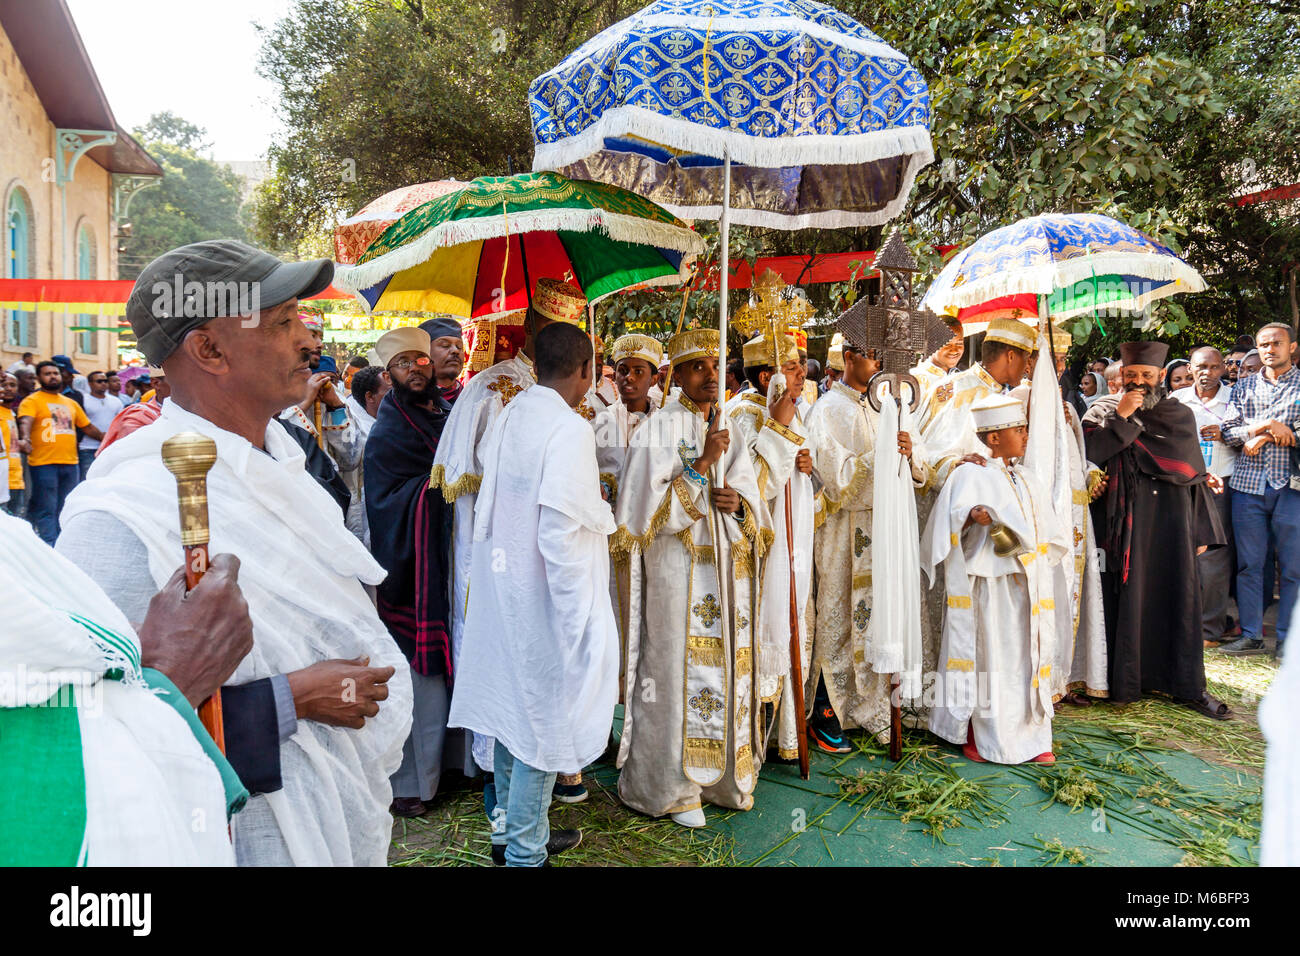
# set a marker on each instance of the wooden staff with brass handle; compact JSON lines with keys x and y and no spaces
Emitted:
{"x":189,"y":456}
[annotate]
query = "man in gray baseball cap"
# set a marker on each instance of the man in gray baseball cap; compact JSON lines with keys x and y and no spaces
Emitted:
{"x":221,"y":318}
{"x":220,"y":278}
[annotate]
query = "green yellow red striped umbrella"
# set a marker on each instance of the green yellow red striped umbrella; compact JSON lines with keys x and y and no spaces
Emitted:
{"x":480,"y":250}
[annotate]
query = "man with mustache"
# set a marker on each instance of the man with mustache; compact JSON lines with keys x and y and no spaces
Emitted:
{"x":1155,"y":516}
{"x":322,"y":412}
{"x":408,"y":536}
{"x":316,"y":760}
{"x":447,"y":353}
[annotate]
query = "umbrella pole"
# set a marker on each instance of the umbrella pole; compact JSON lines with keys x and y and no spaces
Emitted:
{"x":724,"y":235}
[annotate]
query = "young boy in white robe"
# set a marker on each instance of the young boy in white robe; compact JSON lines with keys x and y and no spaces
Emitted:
{"x":776,"y":438}
{"x":636,"y":361}
{"x":539,"y":667}
{"x":994,"y":530}
{"x":693,"y":527}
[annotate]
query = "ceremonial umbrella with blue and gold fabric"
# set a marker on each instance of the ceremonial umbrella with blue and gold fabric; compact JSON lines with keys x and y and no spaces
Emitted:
{"x":479,"y":251}
{"x":1067,"y":265}
{"x":779,"y":113}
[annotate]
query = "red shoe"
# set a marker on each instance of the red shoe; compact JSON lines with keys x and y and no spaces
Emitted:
{"x":1047,"y":759}
{"x":968,"y":750}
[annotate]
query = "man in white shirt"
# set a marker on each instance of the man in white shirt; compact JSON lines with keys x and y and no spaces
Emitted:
{"x":1208,"y":399}
{"x":101,"y":409}
{"x":538,"y":671}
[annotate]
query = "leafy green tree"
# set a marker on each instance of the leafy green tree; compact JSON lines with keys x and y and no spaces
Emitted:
{"x":197,"y":198}
{"x":377,"y":95}
{"x":1156,"y":112}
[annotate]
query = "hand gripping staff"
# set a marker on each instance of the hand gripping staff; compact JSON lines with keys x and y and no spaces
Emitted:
{"x":189,"y":456}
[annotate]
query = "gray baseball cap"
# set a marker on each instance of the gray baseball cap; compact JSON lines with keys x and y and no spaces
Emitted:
{"x":216,"y":279}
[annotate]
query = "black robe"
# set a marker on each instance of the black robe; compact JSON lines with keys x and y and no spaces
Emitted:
{"x":1156,"y":511}
{"x":410,"y":530}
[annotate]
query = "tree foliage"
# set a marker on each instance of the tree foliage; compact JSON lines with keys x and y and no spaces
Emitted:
{"x":1156,"y":112}
{"x":197,"y":198}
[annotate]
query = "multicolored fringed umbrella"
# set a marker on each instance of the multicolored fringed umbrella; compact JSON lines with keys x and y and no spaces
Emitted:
{"x":355,"y":234}
{"x":824,"y":123}
{"x":1076,"y":264}
{"x":480,"y":250}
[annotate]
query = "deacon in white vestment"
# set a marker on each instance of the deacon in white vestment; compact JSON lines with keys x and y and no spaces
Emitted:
{"x":946,"y":436}
{"x":781,"y":454}
{"x":692,"y":545}
{"x":1062,"y":466}
{"x":843,"y":429}
{"x":636,"y":361}
{"x":994,"y":682}
{"x":937,"y":368}
{"x":458,"y":464}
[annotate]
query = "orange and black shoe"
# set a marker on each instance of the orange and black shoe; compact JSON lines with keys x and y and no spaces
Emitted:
{"x":825,"y":732}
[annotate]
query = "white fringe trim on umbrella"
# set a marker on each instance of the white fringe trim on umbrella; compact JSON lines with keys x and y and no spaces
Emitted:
{"x":1044,"y":280}
{"x":676,"y":278}
{"x":617,"y":226}
{"x":775,"y":152}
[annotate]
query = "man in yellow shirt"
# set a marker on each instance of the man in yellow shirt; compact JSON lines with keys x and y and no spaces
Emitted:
{"x":11,"y":460}
{"x":47,"y":426}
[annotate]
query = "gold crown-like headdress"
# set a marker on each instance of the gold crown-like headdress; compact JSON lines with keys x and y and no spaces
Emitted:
{"x":693,"y":344}
{"x":643,"y":347}
{"x":559,"y":301}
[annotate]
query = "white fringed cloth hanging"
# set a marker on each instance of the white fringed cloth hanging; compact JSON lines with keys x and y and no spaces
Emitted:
{"x":894,"y":635}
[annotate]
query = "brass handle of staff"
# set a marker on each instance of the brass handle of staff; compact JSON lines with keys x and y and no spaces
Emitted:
{"x":189,"y":456}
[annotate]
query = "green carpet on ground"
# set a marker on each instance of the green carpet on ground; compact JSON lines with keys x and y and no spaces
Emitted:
{"x":1143,"y":784}
{"x":1003,"y":816}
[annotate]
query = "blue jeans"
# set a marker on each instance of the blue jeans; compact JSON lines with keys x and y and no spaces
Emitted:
{"x":1255,"y":518}
{"x":51,"y":485}
{"x":519,"y":820}
{"x":85,"y":458}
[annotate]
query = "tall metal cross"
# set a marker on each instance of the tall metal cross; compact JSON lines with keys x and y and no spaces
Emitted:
{"x":892,"y":326}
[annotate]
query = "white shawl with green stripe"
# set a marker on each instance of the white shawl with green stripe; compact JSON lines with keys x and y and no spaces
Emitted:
{"x":110,"y":774}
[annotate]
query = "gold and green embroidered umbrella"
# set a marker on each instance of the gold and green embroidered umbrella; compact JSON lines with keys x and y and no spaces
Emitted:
{"x":480,"y":251}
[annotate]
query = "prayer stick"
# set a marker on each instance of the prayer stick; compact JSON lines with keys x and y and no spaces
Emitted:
{"x":190,"y":456}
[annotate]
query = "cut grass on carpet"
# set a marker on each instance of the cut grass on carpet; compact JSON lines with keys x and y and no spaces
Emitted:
{"x":1107,"y":765}
{"x":455,"y":833}
{"x":1240,"y":682}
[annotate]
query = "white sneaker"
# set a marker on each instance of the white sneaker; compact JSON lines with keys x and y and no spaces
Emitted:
{"x":690,"y":818}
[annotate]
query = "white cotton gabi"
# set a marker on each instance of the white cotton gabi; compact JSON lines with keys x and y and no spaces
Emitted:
{"x":153,"y":798}
{"x":307,"y":601}
{"x":539,"y":664}
{"x":893,"y":644}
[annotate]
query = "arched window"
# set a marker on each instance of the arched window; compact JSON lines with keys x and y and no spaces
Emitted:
{"x":19,"y":255}
{"x":87,"y":342}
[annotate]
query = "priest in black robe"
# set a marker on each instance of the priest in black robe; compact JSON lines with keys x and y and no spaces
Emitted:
{"x":1155,"y":516}
{"x":409,"y":536}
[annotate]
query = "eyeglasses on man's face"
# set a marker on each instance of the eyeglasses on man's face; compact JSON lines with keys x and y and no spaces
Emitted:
{"x":404,"y":364}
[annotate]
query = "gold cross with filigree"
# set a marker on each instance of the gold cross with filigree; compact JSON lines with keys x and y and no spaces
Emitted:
{"x":506,"y":387}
